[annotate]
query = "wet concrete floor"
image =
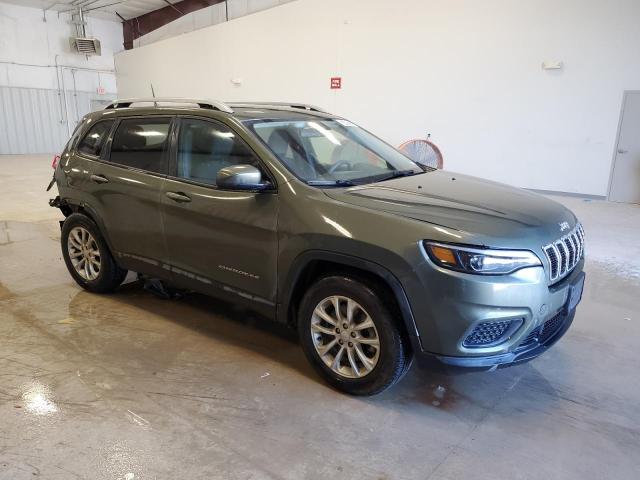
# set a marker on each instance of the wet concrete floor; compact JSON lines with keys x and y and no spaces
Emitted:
{"x":130,"y":386}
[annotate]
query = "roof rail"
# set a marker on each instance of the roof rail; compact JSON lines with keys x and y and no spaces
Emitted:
{"x":301,"y":106}
{"x":202,"y":103}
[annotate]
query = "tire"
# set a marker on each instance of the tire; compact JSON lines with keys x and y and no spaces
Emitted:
{"x":81,"y":240}
{"x":386,"y":364}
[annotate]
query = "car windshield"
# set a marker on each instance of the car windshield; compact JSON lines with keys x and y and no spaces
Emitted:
{"x":328,"y":152}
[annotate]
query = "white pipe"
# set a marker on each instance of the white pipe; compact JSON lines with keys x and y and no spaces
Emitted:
{"x":75,"y":95}
{"x":63,"y":106}
{"x":20,"y":64}
{"x":66,"y":107}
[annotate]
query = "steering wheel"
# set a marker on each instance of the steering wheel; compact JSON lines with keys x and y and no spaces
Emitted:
{"x":339,"y":164}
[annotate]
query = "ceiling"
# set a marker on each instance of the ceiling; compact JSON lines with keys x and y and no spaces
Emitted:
{"x":98,"y":8}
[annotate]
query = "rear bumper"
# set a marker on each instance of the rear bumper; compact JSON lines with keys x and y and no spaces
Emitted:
{"x":536,"y":344}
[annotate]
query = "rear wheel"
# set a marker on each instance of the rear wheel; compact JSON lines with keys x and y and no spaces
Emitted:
{"x":350,"y":337}
{"x":87,"y":256}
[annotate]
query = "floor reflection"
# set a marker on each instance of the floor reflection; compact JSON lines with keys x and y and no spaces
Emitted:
{"x":38,"y":399}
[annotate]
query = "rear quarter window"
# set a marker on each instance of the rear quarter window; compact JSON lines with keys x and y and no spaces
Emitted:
{"x":95,"y":138}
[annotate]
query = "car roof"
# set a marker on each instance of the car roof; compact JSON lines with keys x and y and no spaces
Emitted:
{"x":242,"y":111}
{"x":261,"y":112}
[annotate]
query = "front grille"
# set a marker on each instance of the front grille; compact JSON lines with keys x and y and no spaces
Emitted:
{"x":550,"y":327}
{"x":542,"y":333}
{"x":532,"y":337}
{"x":565,"y":253}
{"x":490,"y":333}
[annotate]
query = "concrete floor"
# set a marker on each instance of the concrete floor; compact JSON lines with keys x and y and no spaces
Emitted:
{"x":128,"y":386}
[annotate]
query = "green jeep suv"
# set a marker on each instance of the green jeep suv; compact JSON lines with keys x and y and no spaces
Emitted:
{"x":316,"y":223}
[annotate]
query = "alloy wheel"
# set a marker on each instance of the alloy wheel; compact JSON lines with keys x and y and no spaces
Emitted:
{"x":345,"y":337}
{"x":84,"y":253}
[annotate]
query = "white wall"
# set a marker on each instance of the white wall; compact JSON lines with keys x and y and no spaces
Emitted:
{"x":26,"y":39}
{"x":467,"y":71}
{"x":39,"y":105}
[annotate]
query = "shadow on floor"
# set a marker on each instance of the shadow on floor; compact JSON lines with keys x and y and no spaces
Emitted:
{"x":468,"y":396}
{"x":204,"y":315}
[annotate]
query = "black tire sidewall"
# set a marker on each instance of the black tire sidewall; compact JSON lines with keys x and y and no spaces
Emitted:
{"x":110,"y":275}
{"x":393,"y":352}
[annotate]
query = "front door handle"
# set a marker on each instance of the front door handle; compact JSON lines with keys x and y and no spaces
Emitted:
{"x":620,"y":150}
{"x":178,"y":197}
{"x":99,"y":179}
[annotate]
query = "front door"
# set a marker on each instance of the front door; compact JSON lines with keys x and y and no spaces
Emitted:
{"x":625,"y":181}
{"x":219,"y":242}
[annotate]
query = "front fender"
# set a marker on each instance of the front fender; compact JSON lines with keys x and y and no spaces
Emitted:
{"x":298,"y":265}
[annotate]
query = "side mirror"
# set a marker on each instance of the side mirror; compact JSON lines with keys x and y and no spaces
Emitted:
{"x":241,"y":177}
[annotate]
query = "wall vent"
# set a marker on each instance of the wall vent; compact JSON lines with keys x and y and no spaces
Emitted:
{"x":85,"y":46}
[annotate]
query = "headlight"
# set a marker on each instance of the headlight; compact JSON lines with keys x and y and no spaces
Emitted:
{"x":480,"y":261}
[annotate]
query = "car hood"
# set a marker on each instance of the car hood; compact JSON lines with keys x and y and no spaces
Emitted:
{"x":489,"y":211}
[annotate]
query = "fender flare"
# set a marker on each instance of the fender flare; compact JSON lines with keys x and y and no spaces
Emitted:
{"x":93,"y":215}
{"x":304,"y":259}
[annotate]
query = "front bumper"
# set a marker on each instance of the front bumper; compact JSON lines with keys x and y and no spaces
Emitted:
{"x":457,"y":302}
{"x":536,"y":343}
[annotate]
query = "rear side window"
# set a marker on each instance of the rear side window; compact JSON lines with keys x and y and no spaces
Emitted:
{"x":205,"y":147}
{"x":93,"y":141}
{"x":141,"y":143}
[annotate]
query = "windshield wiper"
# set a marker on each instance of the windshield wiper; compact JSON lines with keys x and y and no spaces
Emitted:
{"x":398,"y":174}
{"x":331,"y":183}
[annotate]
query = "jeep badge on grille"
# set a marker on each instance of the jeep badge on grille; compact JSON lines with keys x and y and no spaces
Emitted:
{"x":564,"y":226}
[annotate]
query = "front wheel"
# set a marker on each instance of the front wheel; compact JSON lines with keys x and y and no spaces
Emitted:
{"x":350,"y":337}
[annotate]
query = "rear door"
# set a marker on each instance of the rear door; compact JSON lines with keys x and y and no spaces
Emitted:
{"x":125,"y":187}
{"x":219,"y":241}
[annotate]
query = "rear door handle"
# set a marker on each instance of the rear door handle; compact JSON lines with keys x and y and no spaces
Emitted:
{"x":620,"y":150}
{"x":99,"y":179}
{"x":178,"y":197}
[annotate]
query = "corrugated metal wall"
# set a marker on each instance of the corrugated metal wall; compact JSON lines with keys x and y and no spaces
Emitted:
{"x":32,"y":120}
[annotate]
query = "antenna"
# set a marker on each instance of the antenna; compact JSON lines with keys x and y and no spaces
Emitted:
{"x":153,"y":94}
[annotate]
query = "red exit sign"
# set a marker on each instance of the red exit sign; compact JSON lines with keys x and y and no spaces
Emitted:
{"x":336,"y":83}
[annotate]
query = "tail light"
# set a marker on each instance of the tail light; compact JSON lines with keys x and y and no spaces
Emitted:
{"x":56,"y":159}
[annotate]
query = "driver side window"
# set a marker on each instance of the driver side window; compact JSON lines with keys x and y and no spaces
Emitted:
{"x":205,"y":147}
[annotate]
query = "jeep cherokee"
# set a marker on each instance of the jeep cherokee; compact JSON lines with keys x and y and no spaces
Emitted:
{"x":314,"y":222}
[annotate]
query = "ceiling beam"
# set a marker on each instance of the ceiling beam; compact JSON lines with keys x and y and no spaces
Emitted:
{"x":134,"y":28}
{"x":173,"y":6}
